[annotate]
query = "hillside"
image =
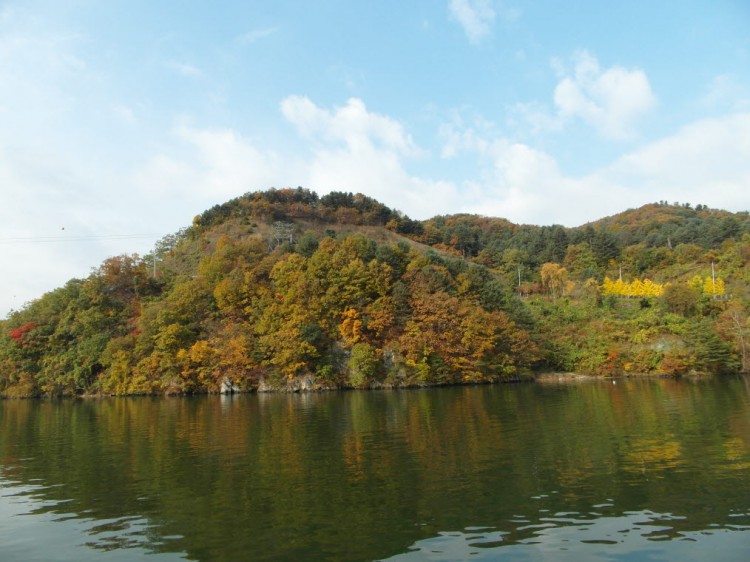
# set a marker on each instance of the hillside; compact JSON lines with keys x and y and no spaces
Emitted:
{"x":285,"y":289}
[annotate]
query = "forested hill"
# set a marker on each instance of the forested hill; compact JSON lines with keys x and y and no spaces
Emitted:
{"x":286,"y":289}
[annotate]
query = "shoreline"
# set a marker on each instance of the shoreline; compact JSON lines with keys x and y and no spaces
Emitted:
{"x":305,"y":387}
{"x":571,"y":378}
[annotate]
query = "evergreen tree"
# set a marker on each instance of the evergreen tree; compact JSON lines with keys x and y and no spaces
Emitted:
{"x":712,"y":354}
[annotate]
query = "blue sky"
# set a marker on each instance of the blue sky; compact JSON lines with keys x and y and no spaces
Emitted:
{"x":125,"y":118}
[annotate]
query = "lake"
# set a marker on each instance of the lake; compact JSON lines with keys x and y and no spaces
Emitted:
{"x":655,"y":469}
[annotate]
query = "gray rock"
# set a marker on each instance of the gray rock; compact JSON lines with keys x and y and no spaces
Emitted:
{"x":228,"y":387}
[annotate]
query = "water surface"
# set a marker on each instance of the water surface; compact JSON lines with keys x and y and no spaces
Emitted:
{"x":637,"y":470}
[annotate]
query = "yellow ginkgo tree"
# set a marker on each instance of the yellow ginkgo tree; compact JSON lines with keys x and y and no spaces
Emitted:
{"x":635,"y":288}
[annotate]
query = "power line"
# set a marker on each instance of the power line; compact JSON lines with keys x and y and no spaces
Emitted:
{"x":82,"y":238}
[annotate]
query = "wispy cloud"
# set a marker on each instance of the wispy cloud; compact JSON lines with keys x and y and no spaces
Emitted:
{"x":475,"y":16}
{"x":124,"y":114}
{"x":725,"y":91}
{"x":256,"y":35}
{"x":185,"y":69}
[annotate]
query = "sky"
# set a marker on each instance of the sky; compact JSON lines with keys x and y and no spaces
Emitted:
{"x":120,"y":120}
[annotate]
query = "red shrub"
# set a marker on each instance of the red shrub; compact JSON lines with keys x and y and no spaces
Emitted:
{"x":17,"y":334}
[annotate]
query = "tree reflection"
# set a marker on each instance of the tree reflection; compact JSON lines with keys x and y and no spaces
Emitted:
{"x":363,"y":475}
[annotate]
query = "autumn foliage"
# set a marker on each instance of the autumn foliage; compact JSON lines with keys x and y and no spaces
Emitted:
{"x":357,"y":294}
{"x":636,"y":288}
{"x":18,"y":334}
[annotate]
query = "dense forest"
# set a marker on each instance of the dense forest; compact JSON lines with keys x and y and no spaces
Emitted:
{"x":284,"y":289}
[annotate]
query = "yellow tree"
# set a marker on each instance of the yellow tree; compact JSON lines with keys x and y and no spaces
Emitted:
{"x":651,"y":289}
{"x":696,"y":282}
{"x":287,"y":346}
{"x":714,"y":287}
{"x":234,"y":360}
{"x":198,"y":365}
{"x":350,"y":327}
{"x":635,"y":288}
{"x":554,"y":279}
{"x":610,"y":287}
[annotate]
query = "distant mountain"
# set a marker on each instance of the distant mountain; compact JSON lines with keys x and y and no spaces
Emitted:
{"x":659,"y":224}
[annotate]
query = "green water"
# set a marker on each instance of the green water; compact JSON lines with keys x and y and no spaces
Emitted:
{"x":638,"y":470}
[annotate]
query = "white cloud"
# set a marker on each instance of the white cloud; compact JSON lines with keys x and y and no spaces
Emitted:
{"x":380,"y":174}
{"x":232,"y":164}
{"x":208,"y":166}
{"x":353,"y":124}
{"x":705,"y":162}
{"x":516,"y":182}
{"x":361,"y":151}
{"x":535,"y":117}
{"x":475,"y":16}
{"x":609,"y":100}
{"x":459,"y":138}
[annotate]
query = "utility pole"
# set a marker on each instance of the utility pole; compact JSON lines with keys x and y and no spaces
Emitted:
{"x":713,"y":277}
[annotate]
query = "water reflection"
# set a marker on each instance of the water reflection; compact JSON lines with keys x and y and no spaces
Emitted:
{"x":35,"y":528}
{"x":591,"y":536}
{"x":641,"y":466}
{"x":630,"y":536}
